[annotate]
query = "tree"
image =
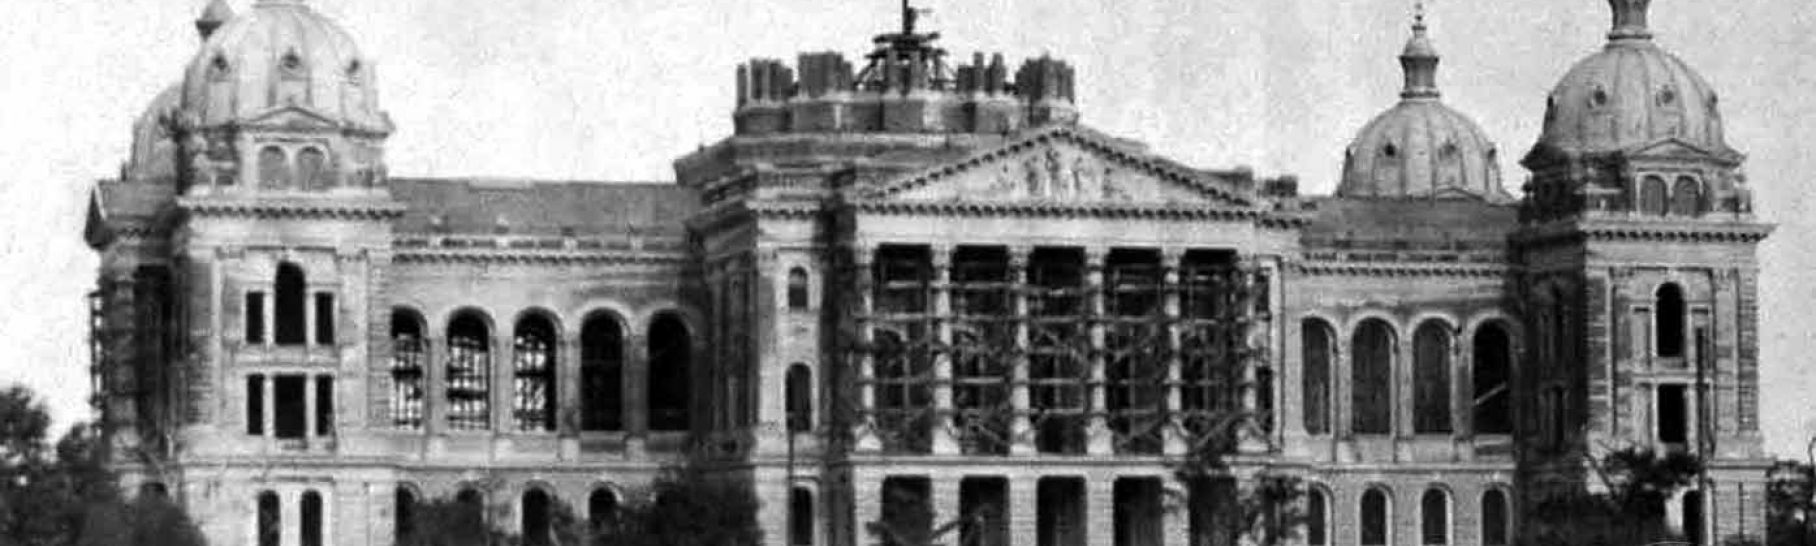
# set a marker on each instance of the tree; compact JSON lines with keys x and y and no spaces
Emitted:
{"x":1791,"y":501}
{"x":1635,"y":483}
{"x":64,"y":495}
{"x":691,"y":503}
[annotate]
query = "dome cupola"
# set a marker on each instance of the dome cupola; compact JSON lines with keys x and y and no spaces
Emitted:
{"x":279,"y":55}
{"x":1629,"y":95}
{"x":1421,"y":148}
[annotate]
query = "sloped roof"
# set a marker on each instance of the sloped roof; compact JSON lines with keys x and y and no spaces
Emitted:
{"x":542,"y":207}
{"x":1411,"y":219}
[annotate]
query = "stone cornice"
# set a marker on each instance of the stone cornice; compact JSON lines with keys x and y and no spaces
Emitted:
{"x":1645,"y":231}
{"x":1052,"y":209}
{"x":329,"y":209}
{"x":1399,"y":269}
{"x":538,"y":257}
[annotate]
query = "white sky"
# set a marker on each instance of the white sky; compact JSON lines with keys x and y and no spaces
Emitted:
{"x":614,"y":90}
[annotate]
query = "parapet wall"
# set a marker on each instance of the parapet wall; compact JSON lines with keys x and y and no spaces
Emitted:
{"x":902,"y":92}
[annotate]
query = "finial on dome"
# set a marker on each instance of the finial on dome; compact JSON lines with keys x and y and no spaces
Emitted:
{"x":216,"y":14}
{"x":1419,"y":60}
{"x":1630,"y":20}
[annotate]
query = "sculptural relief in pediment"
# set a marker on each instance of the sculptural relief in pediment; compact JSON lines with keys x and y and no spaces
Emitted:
{"x":1055,"y":171}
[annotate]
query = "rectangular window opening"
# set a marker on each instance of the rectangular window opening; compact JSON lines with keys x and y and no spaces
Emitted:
{"x":289,"y":403}
{"x":255,"y":317}
{"x":324,"y":319}
{"x":1673,"y":414}
{"x":324,"y":406}
{"x":255,"y":405}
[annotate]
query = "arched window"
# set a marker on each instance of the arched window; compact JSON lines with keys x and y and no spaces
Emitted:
{"x":670,"y":383}
{"x":409,"y":352}
{"x":1434,"y":517}
{"x":799,"y":398}
{"x":291,"y":298}
{"x":273,"y":171}
{"x":533,"y":374}
{"x":1496,"y":518}
{"x":800,"y":517}
{"x":1376,"y":524}
{"x":403,"y":514}
{"x":469,"y":372}
{"x":601,"y":373}
{"x":1686,"y":198}
{"x":601,"y":508}
{"x":312,"y":169}
{"x":1652,"y":197}
{"x":535,"y":518}
{"x":1670,"y":321}
{"x":1493,"y":368}
{"x":270,"y":519}
{"x":1316,"y":339}
{"x":1317,"y":517}
{"x":1371,"y":378}
{"x":312,"y":518}
{"x":1431,"y":378}
{"x":797,"y":289}
{"x":1693,"y":516}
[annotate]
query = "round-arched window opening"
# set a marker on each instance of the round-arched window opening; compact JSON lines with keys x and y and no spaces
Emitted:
{"x":1598,"y":98}
{"x":1667,"y":96}
{"x":1550,"y":108}
{"x":1390,"y":151}
{"x":291,"y":62}
{"x":1449,"y":150}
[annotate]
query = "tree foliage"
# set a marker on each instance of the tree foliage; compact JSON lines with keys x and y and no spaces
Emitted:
{"x":63,"y":494}
{"x":1628,"y":508}
{"x":1791,"y":503}
{"x":691,"y":503}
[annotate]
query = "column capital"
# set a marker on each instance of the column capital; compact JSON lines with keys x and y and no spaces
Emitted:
{"x":1019,"y":255}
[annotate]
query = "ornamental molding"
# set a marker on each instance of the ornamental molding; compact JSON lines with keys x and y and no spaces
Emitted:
{"x":1646,"y":231}
{"x":1096,"y":171}
{"x":1117,"y":211}
{"x":538,"y":257}
{"x":1381,"y":269}
{"x":291,"y":208}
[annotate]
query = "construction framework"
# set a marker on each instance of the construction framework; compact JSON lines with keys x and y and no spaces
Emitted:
{"x":990,"y":350}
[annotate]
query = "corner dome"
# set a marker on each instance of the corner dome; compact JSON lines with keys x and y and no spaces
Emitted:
{"x":280,"y":55}
{"x":1422,"y":148}
{"x":1630,"y":94}
{"x":154,"y":147}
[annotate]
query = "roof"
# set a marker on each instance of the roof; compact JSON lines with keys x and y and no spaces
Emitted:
{"x":1411,"y":219}
{"x":468,"y":205}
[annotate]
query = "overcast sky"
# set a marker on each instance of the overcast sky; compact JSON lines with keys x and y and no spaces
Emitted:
{"x":615,"y":89}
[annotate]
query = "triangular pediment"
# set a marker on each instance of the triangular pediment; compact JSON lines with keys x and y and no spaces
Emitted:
{"x":293,"y":117}
{"x":1670,"y":147}
{"x":1065,"y":165}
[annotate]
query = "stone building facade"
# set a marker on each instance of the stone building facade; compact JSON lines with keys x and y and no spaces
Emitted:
{"x":913,"y":281}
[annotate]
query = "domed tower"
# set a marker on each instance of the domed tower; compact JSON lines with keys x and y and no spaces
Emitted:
{"x":1640,"y":279}
{"x":280,"y":101}
{"x":1422,"y":148}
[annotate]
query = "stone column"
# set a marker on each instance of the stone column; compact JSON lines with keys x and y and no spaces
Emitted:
{"x":863,"y":285}
{"x":635,"y":403}
{"x":1174,"y":442}
{"x":944,"y":499}
{"x":1255,"y":280}
{"x":867,"y":496}
{"x":1100,"y":510}
{"x":1024,"y":510}
{"x":943,"y":441}
{"x":268,"y":305}
{"x":567,"y":395}
{"x":309,"y":409}
{"x":499,"y":392}
{"x":269,"y":408}
{"x":1176,"y":524}
{"x":1099,"y":440}
{"x":1021,"y":429}
{"x":309,"y":315}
